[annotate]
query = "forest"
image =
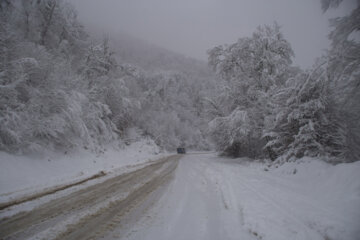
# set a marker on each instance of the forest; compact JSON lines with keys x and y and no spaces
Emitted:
{"x":62,"y":89}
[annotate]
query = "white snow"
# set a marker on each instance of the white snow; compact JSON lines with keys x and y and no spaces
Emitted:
{"x":212,"y":197}
{"x":23,"y":175}
{"x":218,"y":198}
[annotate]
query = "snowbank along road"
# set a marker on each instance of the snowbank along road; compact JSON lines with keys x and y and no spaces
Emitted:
{"x":92,"y":211}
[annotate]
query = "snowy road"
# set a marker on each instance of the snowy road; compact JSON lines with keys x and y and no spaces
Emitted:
{"x":207,"y":197}
{"x":215,"y":198}
{"x":92,"y":211}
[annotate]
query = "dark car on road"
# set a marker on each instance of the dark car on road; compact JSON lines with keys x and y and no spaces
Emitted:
{"x":181,"y":150}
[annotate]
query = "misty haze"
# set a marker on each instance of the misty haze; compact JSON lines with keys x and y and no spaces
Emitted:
{"x":181,"y":120}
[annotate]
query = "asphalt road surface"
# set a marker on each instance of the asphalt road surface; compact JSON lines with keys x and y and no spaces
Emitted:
{"x":91,"y":212}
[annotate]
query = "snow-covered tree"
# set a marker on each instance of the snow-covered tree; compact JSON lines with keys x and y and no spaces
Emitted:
{"x":39,"y":85}
{"x":306,"y":124}
{"x":250,"y":70}
{"x":169,"y":112}
{"x":344,"y":74}
{"x":318,"y":111}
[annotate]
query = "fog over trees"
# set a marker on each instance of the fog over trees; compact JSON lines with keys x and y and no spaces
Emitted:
{"x":62,"y":89}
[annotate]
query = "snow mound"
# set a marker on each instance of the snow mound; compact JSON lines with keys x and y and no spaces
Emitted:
{"x":21,"y":175}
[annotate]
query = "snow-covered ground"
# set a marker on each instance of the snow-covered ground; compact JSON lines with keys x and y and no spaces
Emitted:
{"x":24,"y":175}
{"x":217,"y":198}
{"x":210,"y":197}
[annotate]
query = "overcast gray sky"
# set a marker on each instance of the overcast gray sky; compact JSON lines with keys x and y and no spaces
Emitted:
{"x":191,"y":27}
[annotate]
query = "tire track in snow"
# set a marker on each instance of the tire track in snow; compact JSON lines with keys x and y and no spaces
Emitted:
{"x":308,"y":232}
{"x":27,"y":224}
